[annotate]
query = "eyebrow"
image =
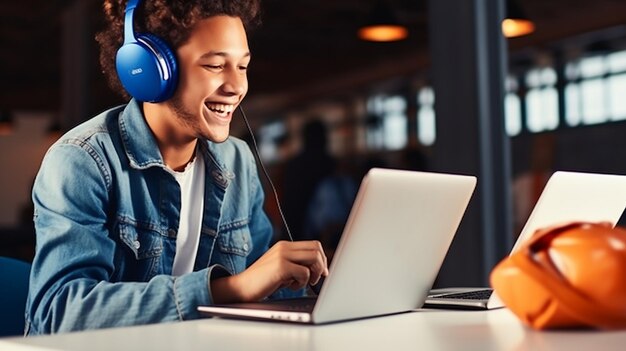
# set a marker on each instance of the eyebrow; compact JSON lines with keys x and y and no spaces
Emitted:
{"x":221,"y":54}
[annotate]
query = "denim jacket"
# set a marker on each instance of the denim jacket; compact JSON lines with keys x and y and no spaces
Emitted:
{"x":107,"y":214}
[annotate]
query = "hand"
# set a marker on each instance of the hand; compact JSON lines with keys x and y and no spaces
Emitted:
{"x":286,"y":264}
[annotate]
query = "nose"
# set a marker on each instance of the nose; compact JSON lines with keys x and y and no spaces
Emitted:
{"x":235,"y":82}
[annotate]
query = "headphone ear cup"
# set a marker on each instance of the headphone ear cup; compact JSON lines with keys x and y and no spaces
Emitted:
{"x":545,"y":296}
{"x":526,"y":296}
{"x":147,"y":69}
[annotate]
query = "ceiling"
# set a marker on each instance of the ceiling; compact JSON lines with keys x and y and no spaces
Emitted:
{"x":305,"y":49}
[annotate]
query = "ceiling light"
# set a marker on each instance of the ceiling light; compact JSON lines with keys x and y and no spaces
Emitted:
{"x":382,"y":25}
{"x":516,"y":23}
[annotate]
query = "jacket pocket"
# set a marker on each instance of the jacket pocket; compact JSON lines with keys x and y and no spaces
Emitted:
{"x":235,"y":243}
{"x":145,"y":247}
{"x":235,"y":239}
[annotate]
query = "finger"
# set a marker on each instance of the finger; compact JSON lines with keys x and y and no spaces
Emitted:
{"x":300,"y":244}
{"x":318,"y":269}
{"x":314,"y":278}
{"x":307,"y":253}
{"x":314,"y":260}
{"x":304,"y":257}
{"x":309,"y":246}
{"x":302,"y":247}
{"x":295,"y":285}
{"x":324,"y":259}
{"x":295,"y":276}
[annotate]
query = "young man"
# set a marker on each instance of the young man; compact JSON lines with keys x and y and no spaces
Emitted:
{"x":150,"y":209}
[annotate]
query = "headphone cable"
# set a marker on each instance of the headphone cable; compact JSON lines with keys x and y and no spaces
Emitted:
{"x":267,"y":176}
{"x":315,"y":289}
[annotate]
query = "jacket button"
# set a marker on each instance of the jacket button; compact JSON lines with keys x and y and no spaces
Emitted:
{"x":136,"y":244}
{"x":219,"y":178}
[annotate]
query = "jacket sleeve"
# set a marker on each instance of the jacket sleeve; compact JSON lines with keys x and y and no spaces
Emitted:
{"x":70,"y":283}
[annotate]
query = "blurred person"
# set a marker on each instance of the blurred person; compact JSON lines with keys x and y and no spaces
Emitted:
{"x":329,"y":208}
{"x":303,"y":173}
{"x":150,"y":209}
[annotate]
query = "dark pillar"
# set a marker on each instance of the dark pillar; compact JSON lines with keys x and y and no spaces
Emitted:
{"x":468,"y":55}
{"x":76,"y":62}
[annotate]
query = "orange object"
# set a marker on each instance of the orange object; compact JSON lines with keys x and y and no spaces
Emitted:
{"x":568,"y":276}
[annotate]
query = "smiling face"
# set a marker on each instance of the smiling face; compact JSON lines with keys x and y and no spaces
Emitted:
{"x":212,"y":82}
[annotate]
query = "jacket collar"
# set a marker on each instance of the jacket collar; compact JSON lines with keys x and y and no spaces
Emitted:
{"x":141,"y":146}
{"x":139,"y":142}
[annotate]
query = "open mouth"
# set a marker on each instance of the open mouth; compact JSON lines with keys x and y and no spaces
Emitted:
{"x":222,"y":110}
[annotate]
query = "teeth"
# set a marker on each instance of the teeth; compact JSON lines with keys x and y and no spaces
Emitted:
{"x":220,"y":108}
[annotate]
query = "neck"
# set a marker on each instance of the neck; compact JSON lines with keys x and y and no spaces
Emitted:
{"x":177,"y":158}
{"x":176,"y":147}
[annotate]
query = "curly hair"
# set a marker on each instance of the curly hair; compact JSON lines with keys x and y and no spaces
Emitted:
{"x":171,"y":20}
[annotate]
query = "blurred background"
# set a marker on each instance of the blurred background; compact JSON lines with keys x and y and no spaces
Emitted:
{"x":453,"y":89}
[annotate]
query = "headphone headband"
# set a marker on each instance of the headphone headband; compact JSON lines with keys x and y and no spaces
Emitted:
{"x":132,"y":4}
{"x":129,"y":14}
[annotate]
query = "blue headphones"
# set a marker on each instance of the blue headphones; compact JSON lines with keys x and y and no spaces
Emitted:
{"x":145,"y":64}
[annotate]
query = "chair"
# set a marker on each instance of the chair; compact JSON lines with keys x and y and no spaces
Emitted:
{"x":14,"y":276}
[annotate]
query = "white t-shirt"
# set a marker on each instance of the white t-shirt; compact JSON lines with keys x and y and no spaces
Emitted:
{"x":191,"y":181}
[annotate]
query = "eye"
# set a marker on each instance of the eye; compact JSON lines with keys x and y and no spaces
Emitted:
{"x":213,"y":67}
{"x":243,"y":68}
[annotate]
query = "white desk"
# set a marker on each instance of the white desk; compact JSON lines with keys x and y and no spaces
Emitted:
{"x":421,"y":330}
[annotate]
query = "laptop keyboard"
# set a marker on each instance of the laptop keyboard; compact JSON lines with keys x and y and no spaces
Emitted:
{"x":301,"y":306}
{"x":305,"y":304}
{"x":469,"y":295}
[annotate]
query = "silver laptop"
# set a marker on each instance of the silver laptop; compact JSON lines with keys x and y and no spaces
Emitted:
{"x":567,"y":197}
{"x":400,"y":220}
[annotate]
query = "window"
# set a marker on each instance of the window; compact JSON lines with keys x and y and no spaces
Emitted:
{"x":617,"y":85}
{"x":595,"y":89}
{"x":542,"y":103}
{"x":426,"y":130}
{"x":512,"y":107}
{"x":387,"y":124}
